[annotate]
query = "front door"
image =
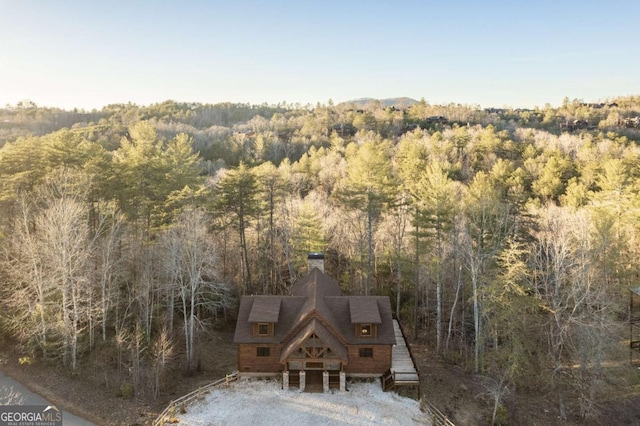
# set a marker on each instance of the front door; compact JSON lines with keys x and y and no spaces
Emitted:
{"x":314,"y":381}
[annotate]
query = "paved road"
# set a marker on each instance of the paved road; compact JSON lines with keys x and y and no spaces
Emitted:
{"x":14,"y":393}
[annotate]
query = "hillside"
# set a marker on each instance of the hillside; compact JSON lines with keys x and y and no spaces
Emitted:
{"x":505,"y":238}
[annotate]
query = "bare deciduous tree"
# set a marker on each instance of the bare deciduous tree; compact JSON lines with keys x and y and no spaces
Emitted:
{"x":193,"y":267}
{"x":66,"y":250}
{"x":50,"y":267}
{"x":28,"y":292}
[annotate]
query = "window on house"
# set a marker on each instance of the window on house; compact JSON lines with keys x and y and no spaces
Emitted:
{"x":264,"y":351}
{"x":366,"y":352}
{"x":366,"y":330}
{"x":263,"y":329}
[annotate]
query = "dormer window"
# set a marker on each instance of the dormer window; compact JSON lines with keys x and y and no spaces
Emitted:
{"x":365,"y":316}
{"x":264,"y":315}
{"x":367,"y":330}
{"x":263,"y":329}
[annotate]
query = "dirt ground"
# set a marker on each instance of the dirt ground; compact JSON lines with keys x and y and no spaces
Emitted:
{"x":458,"y":394}
{"x":462,"y":397}
{"x":89,"y":393}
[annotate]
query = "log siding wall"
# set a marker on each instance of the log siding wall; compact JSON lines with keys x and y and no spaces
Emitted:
{"x":379,"y":363}
{"x":250,"y":362}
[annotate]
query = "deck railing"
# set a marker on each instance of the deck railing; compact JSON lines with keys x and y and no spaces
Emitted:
{"x":404,"y":336}
{"x":187,"y":399}
{"x":437,"y":417}
{"x":392,"y":378}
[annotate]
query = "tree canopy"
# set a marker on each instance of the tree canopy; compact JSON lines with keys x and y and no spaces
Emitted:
{"x":507,"y":237}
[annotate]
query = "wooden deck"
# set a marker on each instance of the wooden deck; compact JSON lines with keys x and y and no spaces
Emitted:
{"x":402,"y":366}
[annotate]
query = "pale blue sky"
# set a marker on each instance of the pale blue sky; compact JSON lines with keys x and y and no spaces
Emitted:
{"x":88,"y":54}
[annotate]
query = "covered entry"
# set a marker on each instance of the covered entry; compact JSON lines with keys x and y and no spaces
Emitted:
{"x":316,"y":357}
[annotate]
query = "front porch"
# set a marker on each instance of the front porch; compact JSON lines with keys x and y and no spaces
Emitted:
{"x":314,"y":380}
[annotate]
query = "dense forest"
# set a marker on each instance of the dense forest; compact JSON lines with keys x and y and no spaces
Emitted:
{"x":508,"y":238}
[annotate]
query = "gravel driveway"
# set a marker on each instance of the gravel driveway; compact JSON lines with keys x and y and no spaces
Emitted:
{"x":264,"y":403}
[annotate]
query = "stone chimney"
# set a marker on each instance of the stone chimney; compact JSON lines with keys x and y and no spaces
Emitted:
{"x":316,"y":260}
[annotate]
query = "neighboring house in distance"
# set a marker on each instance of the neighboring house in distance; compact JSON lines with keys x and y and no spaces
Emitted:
{"x":315,"y":335}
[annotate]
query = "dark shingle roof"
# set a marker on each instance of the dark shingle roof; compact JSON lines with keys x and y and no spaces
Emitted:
{"x":316,"y":284}
{"x":315,"y":297}
{"x":364,"y":310}
{"x":289,"y":308}
{"x":340,"y":308}
{"x":265,"y":309}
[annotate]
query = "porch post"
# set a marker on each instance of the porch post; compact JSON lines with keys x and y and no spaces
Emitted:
{"x":343,"y":382}
{"x":325,"y":381}
{"x":302,"y":380}
{"x":285,"y":380}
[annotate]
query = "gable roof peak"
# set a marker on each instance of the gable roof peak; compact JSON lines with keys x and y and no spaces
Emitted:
{"x":316,"y":284}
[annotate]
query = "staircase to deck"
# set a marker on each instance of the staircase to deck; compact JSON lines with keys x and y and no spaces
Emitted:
{"x":403,"y":370}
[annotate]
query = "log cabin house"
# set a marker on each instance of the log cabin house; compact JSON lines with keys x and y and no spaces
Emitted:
{"x":316,"y":335}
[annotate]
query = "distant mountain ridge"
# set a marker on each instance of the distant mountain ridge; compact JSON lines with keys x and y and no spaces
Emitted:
{"x":401,"y":102}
